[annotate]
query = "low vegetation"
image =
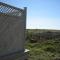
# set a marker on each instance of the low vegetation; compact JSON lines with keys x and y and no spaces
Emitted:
{"x":43,"y":44}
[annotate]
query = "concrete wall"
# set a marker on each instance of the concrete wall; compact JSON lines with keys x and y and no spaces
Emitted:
{"x":12,"y":34}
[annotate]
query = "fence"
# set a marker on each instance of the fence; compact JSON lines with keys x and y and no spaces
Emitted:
{"x":12,"y":31}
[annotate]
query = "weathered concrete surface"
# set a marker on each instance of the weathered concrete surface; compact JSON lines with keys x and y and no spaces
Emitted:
{"x":12,"y":31}
{"x":14,"y":56}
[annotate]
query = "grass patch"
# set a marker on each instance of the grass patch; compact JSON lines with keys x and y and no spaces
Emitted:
{"x":47,"y":50}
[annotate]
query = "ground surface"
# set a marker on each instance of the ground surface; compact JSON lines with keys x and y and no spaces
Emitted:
{"x":44,"y":50}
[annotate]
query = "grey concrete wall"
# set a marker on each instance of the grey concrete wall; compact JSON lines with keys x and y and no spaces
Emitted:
{"x":12,"y":30}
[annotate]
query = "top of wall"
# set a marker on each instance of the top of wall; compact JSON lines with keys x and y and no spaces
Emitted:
{"x":10,"y":10}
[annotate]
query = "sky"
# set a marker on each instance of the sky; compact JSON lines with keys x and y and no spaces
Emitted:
{"x":41,"y":14}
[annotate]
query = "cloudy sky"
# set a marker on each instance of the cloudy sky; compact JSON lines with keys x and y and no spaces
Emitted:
{"x":41,"y":14}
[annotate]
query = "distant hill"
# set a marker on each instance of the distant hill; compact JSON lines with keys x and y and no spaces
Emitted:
{"x":42,"y":30}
